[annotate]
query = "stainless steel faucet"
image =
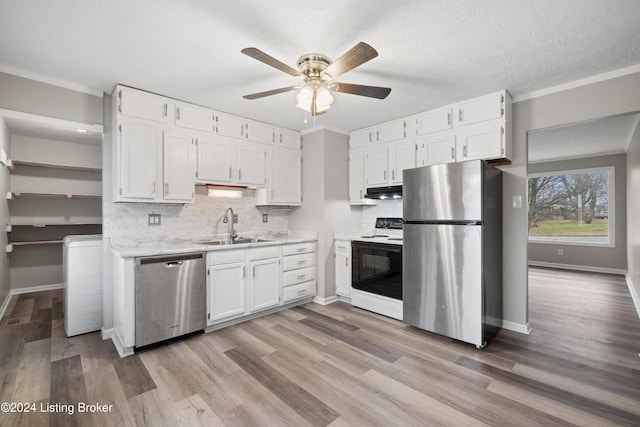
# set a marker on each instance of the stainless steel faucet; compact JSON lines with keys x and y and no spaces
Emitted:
{"x":229,"y":220}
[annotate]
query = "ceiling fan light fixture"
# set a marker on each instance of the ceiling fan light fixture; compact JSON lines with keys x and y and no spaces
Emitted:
{"x":323,"y":99}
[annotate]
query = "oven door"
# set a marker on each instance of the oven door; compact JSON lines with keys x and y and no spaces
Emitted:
{"x":377,"y":268}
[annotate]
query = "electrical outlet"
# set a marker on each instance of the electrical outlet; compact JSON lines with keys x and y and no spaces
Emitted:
{"x":560,"y":251}
{"x":265,"y":218}
{"x":154,"y":219}
{"x":235,"y":218}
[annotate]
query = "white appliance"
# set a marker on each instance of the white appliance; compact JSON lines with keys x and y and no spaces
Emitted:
{"x":82,"y":260}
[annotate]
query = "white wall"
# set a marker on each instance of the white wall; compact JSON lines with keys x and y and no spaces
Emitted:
{"x":325,"y":191}
{"x":633,"y":211}
{"x":590,"y":256}
{"x":4,"y":215}
{"x":616,"y":96}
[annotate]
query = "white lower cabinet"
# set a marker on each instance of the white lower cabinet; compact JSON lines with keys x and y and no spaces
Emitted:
{"x":226,"y":296}
{"x":299,"y":271}
{"x":264,"y":281}
{"x":343,"y":267}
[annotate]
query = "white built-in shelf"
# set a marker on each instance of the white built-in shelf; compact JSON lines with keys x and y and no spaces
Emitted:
{"x":13,"y":194}
{"x":51,"y":224}
{"x":54,"y":165}
{"x":37,"y":242}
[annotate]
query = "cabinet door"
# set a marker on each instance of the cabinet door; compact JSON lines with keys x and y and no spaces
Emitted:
{"x":433,"y":121}
{"x":192,"y":117}
{"x":481,"y":142}
{"x":488,"y":107}
{"x":179,"y":168}
{"x":215,"y":160}
{"x":375,"y":168}
{"x":260,"y":132}
{"x":231,"y":126}
{"x":264,"y":284}
{"x":225,"y":291}
{"x":343,"y":274}
{"x":435,"y":150}
{"x":251,"y":165}
{"x":285,"y":178}
{"x":360,"y":138}
{"x":402,"y":156}
{"x":356,"y":178}
{"x":142,"y":105}
{"x":138,"y":161}
{"x":289,"y":139}
{"x":390,"y":132}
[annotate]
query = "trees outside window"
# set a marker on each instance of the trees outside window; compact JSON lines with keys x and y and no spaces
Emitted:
{"x":572,"y":206}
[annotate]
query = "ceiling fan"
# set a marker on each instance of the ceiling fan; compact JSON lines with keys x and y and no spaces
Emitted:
{"x":318,"y":72}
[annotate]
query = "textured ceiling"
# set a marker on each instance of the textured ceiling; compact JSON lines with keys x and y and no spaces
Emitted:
{"x":431,"y":53}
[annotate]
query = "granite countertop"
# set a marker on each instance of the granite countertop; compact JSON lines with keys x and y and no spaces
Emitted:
{"x":134,"y":247}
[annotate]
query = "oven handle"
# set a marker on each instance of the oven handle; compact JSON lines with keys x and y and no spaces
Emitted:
{"x":378,"y":246}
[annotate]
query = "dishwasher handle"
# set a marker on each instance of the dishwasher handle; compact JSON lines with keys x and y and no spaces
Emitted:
{"x":169,"y":259}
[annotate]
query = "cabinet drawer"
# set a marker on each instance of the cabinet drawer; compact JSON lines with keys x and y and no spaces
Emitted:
{"x":225,"y":257}
{"x":343,"y":247}
{"x":300,"y":290}
{"x":297,"y":276}
{"x":298,"y":261}
{"x":264,"y":253}
{"x":299,"y":248}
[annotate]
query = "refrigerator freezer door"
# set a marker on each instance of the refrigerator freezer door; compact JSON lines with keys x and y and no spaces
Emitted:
{"x":447,"y":192}
{"x":442,"y":280}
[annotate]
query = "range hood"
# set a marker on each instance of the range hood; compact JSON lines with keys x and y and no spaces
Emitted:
{"x":391,"y":192}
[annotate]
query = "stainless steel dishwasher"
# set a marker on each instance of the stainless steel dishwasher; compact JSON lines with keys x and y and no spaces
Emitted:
{"x":170,"y":297}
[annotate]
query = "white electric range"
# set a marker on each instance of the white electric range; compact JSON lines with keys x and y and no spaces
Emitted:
{"x":376,"y":269}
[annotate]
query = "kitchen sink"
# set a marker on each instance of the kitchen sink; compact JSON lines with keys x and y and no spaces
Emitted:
{"x":238,"y":241}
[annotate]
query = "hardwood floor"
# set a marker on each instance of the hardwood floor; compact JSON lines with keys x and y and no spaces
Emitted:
{"x":339,"y":366}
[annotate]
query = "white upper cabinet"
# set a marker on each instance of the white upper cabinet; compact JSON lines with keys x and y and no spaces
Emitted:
{"x":436,"y":149}
{"x":401,"y":157}
{"x":375,"y":167}
{"x":215,"y":160}
{"x":193,"y":117}
{"x":390,"y":132}
{"x":288,"y":139}
{"x":178,"y":168}
{"x":142,"y":105}
{"x":482,"y":109}
{"x":260,"y":132}
{"x":251,"y":165}
{"x":136,"y":156}
{"x":486,"y":142}
{"x":152,"y":165}
{"x":433,"y":121}
{"x":284,"y":180}
{"x":357,"y":187}
{"x":230,"y":126}
{"x":360,"y":138}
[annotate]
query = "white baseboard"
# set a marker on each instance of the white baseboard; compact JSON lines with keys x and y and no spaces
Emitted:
{"x":106,"y":334}
{"x":578,"y":267}
{"x":517,"y":327}
{"x":19,"y":291}
{"x":634,"y":293}
{"x":326,"y":301}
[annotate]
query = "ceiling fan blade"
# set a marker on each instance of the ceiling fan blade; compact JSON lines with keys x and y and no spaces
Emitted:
{"x":358,"y":55}
{"x":269,"y":92}
{"x":370,"y":91}
{"x":269,"y":60}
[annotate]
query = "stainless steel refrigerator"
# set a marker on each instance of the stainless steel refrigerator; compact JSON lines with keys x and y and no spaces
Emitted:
{"x":452,"y":250}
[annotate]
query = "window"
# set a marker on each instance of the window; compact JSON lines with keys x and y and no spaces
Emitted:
{"x":574,"y":207}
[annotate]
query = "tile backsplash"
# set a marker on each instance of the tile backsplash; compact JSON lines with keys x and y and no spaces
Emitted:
{"x":202,"y":218}
{"x":384,"y":208}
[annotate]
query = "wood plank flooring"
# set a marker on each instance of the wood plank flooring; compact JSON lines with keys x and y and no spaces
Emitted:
{"x":337,"y":365}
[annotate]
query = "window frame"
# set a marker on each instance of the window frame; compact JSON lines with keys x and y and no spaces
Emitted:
{"x":611,"y":188}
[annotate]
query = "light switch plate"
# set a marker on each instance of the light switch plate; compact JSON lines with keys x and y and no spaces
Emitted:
{"x":516,"y":202}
